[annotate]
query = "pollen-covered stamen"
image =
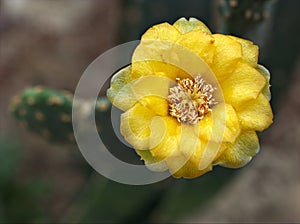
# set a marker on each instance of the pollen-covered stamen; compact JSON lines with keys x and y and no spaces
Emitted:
{"x":190,"y":99}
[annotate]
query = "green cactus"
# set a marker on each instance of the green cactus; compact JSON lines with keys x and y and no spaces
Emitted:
{"x":49,"y":113}
{"x":45,"y":112}
{"x":240,"y":16}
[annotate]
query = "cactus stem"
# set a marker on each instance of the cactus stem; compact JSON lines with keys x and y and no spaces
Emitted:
{"x":233,"y":3}
{"x":54,"y":100}
{"x":39,"y":116}
{"x":38,"y":89}
{"x":256,"y":16}
{"x":22,"y":112}
{"x":30,"y":101}
{"x":67,"y":94}
{"x":248,"y":14}
{"x":65,"y":118}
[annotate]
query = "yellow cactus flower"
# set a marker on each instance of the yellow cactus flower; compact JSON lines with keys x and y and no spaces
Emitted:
{"x":192,"y":99}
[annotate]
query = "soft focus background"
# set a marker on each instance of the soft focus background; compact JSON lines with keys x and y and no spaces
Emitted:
{"x":51,"y":42}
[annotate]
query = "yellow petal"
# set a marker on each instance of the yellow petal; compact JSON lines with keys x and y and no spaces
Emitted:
{"x":188,"y":170}
{"x":158,"y":105}
{"x":209,"y":152}
{"x":200,"y":43}
{"x":227,"y":54}
{"x":163,"y":140}
{"x":135,"y":126}
{"x":151,"y":162}
{"x":240,"y":152}
{"x":188,"y":141}
{"x":243,"y":85}
{"x":266,"y":74}
{"x":152,"y":60}
{"x":158,"y":129}
{"x":187,"y":145}
{"x":163,"y":31}
{"x":165,"y":148}
{"x":221,"y":125}
{"x":152,"y":92}
{"x":256,"y":115}
{"x":249,"y":50}
{"x":151,"y":86}
{"x":185,"y":26}
{"x":120,"y":93}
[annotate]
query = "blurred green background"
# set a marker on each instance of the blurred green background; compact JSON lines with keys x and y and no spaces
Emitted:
{"x":51,"y":42}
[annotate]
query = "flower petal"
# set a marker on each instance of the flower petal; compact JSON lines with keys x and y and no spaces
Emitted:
{"x":186,"y":160}
{"x":163,"y":31}
{"x":266,"y":90}
{"x":189,"y":170}
{"x":156,"y":57}
{"x":154,"y":97}
{"x":188,"y":141}
{"x":200,"y":43}
{"x":120,"y":93}
{"x":210,"y":151}
{"x":185,"y":26}
{"x":240,"y":152}
{"x":163,"y":140}
{"x":227,"y":54}
{"x":221,"y":125}
{"x":158,"y":105}
{"x":145,"y":86}
{"x":159,"y":68}
{"x":188,"y":144}
{"x":152,"y":163}
{"x":135,"y":126}
{"x":249,"y":50}
{"x":243,"y":85}
{"x":256,"y":114}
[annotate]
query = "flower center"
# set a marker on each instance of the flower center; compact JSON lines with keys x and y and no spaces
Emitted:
{"x":190,"y":100}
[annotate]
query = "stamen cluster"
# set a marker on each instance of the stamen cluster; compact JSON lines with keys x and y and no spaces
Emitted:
{"x":191,"y":99}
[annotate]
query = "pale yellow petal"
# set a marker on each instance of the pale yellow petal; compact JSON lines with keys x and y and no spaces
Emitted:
{"x":256,"y":115}
{"x":187,"y":145}
{"x":210,"y":150}
{"x":120,"y":93}
{"x":244,"y":84}
{"x":152,"y":92}
{"x":135,"y":126}
{"x":266,"y":90}
{"x":151,"y":86}
{"x":158,"y":68}
{"x":163,"y":31}
{"x":163,"y":139}
{"x":188,"y":141}
{"x":152,"y":163}
{"x":199,"y":42}
{"x":240,"y":152}
{"x":221,"y":125}
{"x":158,"y":129}
{"x":185,"y":26}
{"x":156,"y":104}
{"x":228,"y":53}
{"x":249,"y":50}
{"x":188,"y":170}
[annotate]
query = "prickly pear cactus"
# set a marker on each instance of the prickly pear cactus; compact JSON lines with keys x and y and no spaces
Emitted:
{"x":49,"y":113}
{"x":45,"y":112}
{"x":240,"y":16}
